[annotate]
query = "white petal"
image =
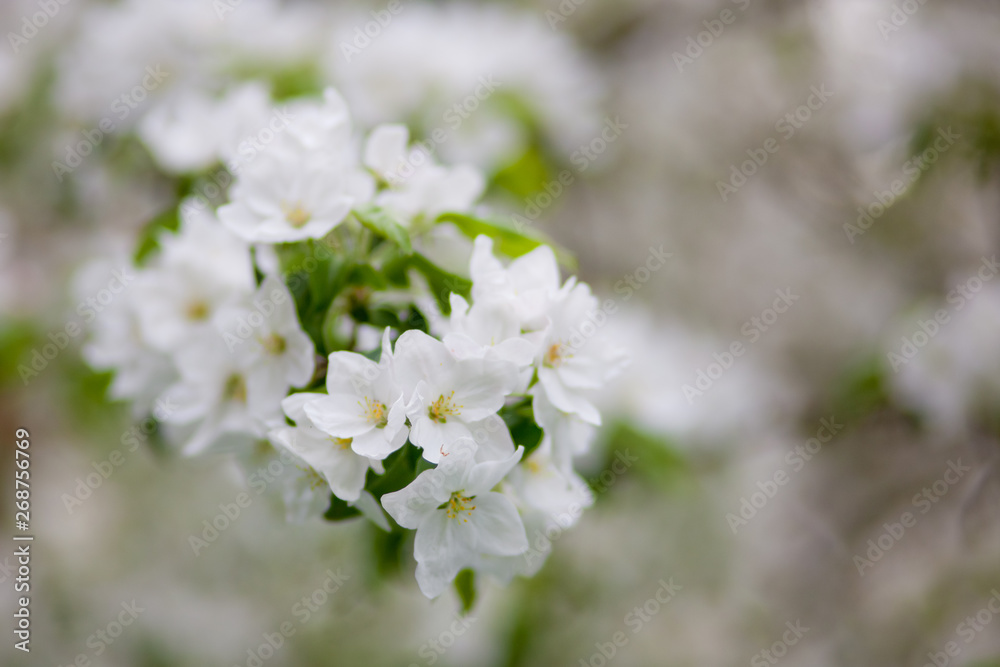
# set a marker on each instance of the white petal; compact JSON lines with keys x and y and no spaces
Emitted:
{"x":484,"y":476}
{"x":499,"y":530}
{"x":339,"y":415}
{"x":385,"y":149}
{"x":411,"y":504}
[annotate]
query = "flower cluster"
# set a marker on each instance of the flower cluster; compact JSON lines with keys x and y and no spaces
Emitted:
{"x":308,"y":311}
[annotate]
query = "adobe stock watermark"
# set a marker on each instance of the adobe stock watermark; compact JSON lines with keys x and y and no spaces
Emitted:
{"x":370,"y":31}
{"x":559,"y":15}
{"x":596,"y":319}
{"x":786,"y":127}
{"x":927,"y":329}
{"x":302,"y":611}
{"x":120,"y":109}
{"x":248,"y":324}
{"x":247,"y":151}
{"x":795,"y":460}
{"x":922,"y":503}
{"x":635,"y":620}
{"x":967,"y":631}
{"x":102,"y":638}
{"x":454,"y":116}
{"x":432,"y":650}
{"x":88,"y":309}
{"x":258,"y":481}
{"x":103,"y":469}
{"x":32,"y":24}
{"x":581,"y":159}
{"x":752,"y":330}
{"x":898,"y":17}
{"x":912,"y":170}
{"x":540,"y":544}
{"x":698,"y":44}
{"x":779,"y":649}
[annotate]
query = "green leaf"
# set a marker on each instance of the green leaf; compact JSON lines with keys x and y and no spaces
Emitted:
{"x":508,"y":240}
{"x":441,"y":282}
{"x":386,"y":226}
{"x":149,"y":237}
{"x":526,"y":176}
{"x":339,"y":510}
{"x":365,"y":275}
{"x":465,"y":585}
{"x":660,"y":462}
{"x":523,"y":429}
{"x":388,"y":550}
{"x":400,"y":470}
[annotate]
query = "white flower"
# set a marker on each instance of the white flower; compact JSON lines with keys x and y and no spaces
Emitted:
{"x":198,"y":271}
{"x":192,"y":130}
{"x":264,"y":331}
{"x":489,"y":328}
{"x":458,"y":518}
{"x":447,"y":394}
{"x":569,"y":435}
{"x":302,"y":184}
{"x":215,"y":393}
{"x":331,"y":457}
{"x":573,"y":360}
{"x":528,"y":285}
{"x":418,"y":188}
{"x":550,"y":499}
{"x":458,"y":43}
{"x":115,"y":341}
{"x":364,"y":403}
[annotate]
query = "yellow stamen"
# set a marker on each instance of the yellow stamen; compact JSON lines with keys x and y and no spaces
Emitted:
{"x":296,"y":215}
{"x":197,"y":310}
{"x":554,"y":355}
{"x":374,"y":412}
{"x":457,"y":504}
{"x":235,"y":389}
{"x":443,"y":408}
{"x":342,"y":443}
{"x":274,"y":344}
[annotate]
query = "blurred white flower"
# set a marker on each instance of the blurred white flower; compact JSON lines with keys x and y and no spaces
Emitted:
{"x":198,"y":271}
{"x":215,"y":393}
{"x":264,"y":330}
{"x":302,"y":184}
{"x":193,"y":130}
{"x":416,"y":186}
{"x":948,"y":368}
{"x":444,"y":88}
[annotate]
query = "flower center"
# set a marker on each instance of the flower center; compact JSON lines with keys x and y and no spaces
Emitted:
{"x":554,"y":355}
{"x":197,"y":310}
{"x":274,"y":344}
{"x":457,"y":504}
{"x":374,"y":412}
{"x":296,"y":216}
{"x":235,"y":389}
{"x":313,"y":478}
{"x":443,"y":408}
{"x":342,"y":443}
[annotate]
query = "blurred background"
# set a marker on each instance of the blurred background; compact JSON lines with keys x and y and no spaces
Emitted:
{"x":793,"y":206}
